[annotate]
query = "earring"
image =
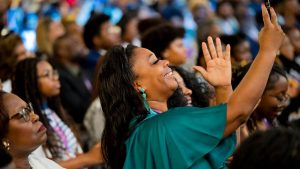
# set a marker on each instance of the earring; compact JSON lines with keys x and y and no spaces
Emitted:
{"x":143,"y":93}
{"x":6,"y":145}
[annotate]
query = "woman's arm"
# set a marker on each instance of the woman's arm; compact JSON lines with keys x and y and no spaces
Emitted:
{"x":218,"y":72}
{"x":248,"y":92}
{"x":89,"y":159}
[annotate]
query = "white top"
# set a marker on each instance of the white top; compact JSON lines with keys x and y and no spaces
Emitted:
{"x":38,"y":162}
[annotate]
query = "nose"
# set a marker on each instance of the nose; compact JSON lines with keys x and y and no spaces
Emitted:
{"x":34,"y":117}
{"x":165,"y":62}
{"x":187,"y":91}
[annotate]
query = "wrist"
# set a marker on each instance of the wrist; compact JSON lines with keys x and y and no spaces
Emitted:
{"x":268,"y":52}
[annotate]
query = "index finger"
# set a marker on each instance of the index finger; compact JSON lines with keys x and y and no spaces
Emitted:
{"x":265,"y":16}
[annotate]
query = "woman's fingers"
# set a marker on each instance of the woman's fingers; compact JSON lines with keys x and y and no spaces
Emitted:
{"x":219,"y":48}
{"x":212,"y":48}
{"x":266,"y":17}
{"x":206,"y":54}
{"x":227,"y":53}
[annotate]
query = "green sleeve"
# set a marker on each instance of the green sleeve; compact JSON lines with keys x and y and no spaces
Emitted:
{"x":194,"y":134}
{"x":181,"y":138}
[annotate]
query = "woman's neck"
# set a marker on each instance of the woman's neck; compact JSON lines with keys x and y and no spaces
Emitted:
{"x":22,"y":162}
{"x":158,"y":105}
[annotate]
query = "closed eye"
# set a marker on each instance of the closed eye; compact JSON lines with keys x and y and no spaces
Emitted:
{"x":155,"y":62}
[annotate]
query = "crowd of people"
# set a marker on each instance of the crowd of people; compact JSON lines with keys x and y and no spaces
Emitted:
{"x":166,"y":84}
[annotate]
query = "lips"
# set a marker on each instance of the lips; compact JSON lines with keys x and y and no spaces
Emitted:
{"x":42,"y":129}
{"x":169,"y":73}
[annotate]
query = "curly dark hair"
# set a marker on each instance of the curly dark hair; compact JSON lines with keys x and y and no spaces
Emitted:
{"x":201,"y":91}
{"x":92,"y":28}
{"x":158,"y":38}
{"x":120,"y":101}
{"x":276,"y":148}
{"x":25,"y":85}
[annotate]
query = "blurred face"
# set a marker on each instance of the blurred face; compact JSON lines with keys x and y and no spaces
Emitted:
{"x":110,"y":35}
{"x":131,"y":30}
{"x":242,"y":52}
{"x":294,"y":36}
{"x":55,"y":30}
{"x":176,"y":53}
{"x":21,"y":53}
{"x":225,"y":11}
{"x":23,"y":135}
{"x":186,"y":91}
{"x":287,"y":49}
{"x":153,"y":75}
{"x":48,"y":80}
{"x":291,"y":6}
{"x":274,"y":100}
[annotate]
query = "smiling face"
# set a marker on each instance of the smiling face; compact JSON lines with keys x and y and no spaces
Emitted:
{"x":23,"y":136}
{"x":186,"y":91}
{"x":275,"y":99}
{"x":153,"y":75}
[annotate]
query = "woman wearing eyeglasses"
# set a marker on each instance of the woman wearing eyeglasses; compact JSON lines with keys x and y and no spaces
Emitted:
{"x":21,"y":133}
{"x":36,"y":81}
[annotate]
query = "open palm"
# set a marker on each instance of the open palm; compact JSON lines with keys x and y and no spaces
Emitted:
{"x":218,"y":71}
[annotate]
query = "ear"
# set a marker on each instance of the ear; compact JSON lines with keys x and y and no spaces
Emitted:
{"x":137,"y":86}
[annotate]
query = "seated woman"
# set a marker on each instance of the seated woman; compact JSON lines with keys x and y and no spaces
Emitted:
{"x":37,"y":82}
{"x":21,"y":133}
{"x":272,"y":103}
{"x":132,"y":82}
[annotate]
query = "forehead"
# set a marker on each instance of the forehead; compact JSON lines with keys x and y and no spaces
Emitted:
{"x":281,"y":84}
{"x":43,"y":65}
{"x":12,"y":103}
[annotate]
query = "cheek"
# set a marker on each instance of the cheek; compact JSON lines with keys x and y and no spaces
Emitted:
{"x":48,"y":89}
{"x":17,"y":135}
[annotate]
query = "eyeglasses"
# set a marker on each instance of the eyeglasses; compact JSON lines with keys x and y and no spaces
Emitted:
{"x":24,"y":113}
{"x":50,"y":74}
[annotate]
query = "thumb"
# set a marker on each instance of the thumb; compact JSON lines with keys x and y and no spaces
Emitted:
{"x":201,"y":70}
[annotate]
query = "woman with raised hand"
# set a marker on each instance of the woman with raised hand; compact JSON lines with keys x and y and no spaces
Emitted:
{"x":133,"y":83}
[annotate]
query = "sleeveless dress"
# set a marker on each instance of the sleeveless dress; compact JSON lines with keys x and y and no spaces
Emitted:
{"x":181,"y":138}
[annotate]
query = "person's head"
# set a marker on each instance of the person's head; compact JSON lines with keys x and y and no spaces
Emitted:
{"x":166,"y":42}
{"x":274,"y":98}
{"x":147,"y":23}
{"x":240,"y":52}
{"x":70,"y":25}
{"x":68,"y":47}
{"x":99,"y":33}
{"x":12,"y":51}
{"x":47,"y":32}
{"x":36,"y":81}
{"x":294,"y":35}
{"x":128,"y":25}
{"x":21,"y":131}
{"x":287,"y":49}
{"x":186,"y":91}
{"x":224,"y":9}
{"x":276,"y":148}
{"x":121,"y":78}
{"x":196,"y":88}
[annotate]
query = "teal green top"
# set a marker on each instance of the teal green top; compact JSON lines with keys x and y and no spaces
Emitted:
{"x":181,"y":138}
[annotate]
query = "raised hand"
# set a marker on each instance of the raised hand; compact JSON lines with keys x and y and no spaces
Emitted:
{"x":218,"y":71}
{"x":271,"y":35}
